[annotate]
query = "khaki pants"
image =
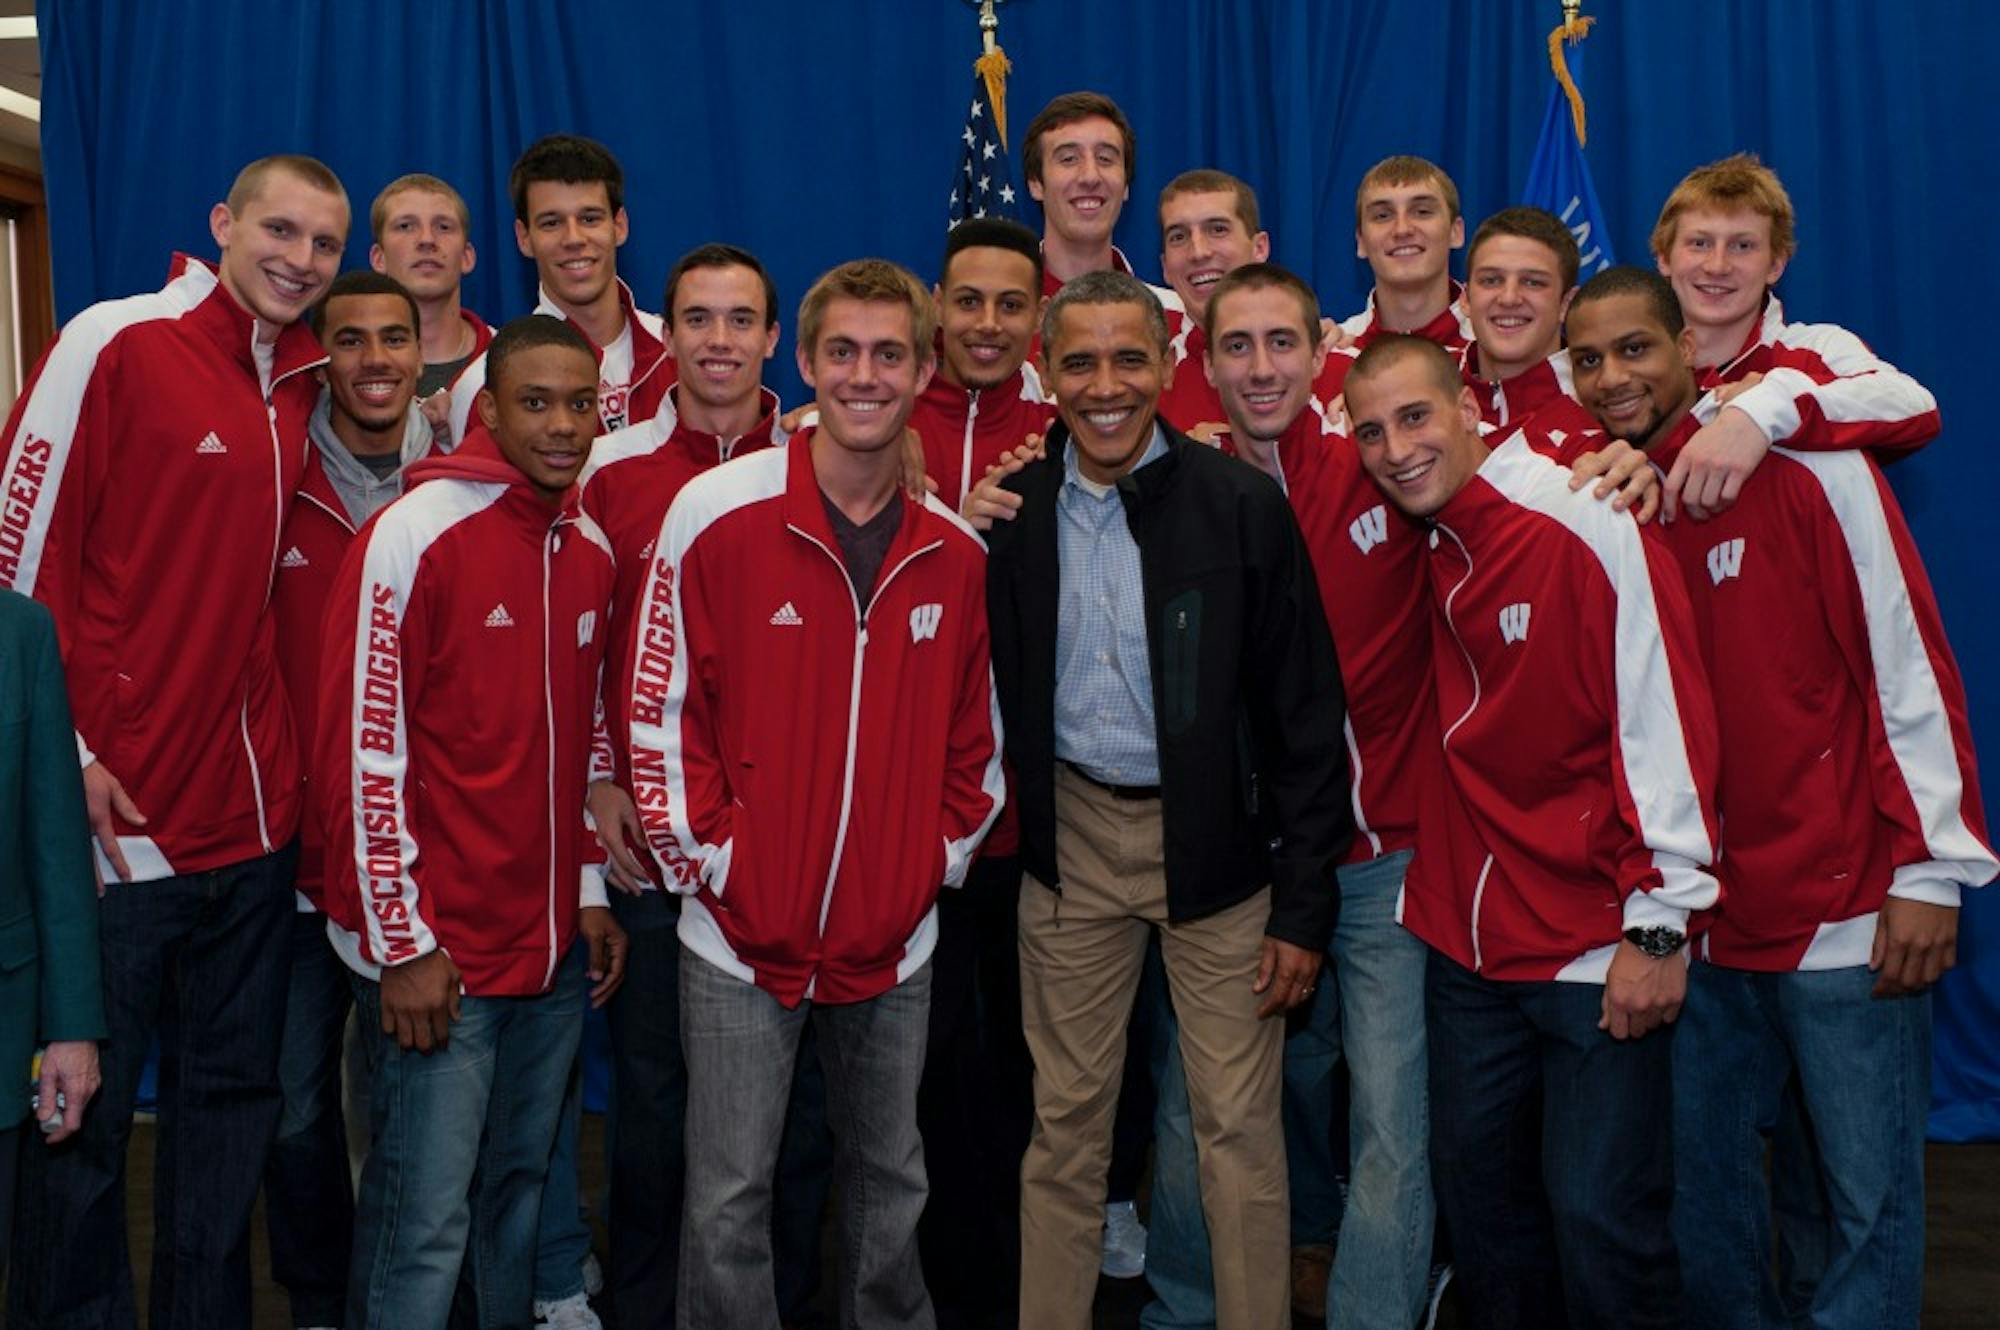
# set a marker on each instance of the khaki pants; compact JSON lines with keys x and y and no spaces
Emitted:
{"x":1080,"y":959}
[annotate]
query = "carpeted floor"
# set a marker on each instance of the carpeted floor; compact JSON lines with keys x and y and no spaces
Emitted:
{"x":1963,"y":1276}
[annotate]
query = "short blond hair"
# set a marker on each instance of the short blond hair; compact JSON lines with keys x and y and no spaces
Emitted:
{"x":419,"y":183}
{"x":870,"y":280}
{"x":248,"y":186}
{"x":1732,"y":184}
{"x":1406,"y":170}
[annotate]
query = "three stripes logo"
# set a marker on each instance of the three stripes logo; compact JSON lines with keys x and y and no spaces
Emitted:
{"x":1514,"y":622}
{"x":788,"y":617}
{"x":924,"y":620}
{"x":499,"y":618}
{"x":1370,"y":529}
{"x":211,"y":444}
{"x":293,"y":559}
{"x":1725,"y":561}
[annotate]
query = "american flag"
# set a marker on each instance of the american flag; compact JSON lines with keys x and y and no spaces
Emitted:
{"x":984,"y":183}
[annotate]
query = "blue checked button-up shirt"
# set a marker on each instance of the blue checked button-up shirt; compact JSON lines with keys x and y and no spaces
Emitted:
{"x":1104,"y":683}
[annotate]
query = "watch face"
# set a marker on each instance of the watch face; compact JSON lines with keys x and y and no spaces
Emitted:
{"x":1657,"y":940}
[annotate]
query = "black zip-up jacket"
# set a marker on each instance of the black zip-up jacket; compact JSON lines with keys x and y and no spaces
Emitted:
{"x":1246,"y":690}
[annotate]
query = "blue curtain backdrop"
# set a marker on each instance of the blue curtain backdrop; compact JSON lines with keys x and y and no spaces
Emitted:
{"x":818,"y":130}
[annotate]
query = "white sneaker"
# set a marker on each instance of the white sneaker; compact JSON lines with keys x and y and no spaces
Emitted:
{"x":1440,"y":1280}
{"x":1124,"y":1241}
{"x":571,"y":1313}
{"x":593,"y":1274}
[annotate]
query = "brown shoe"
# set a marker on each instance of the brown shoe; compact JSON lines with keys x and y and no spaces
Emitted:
{"x":1310,"y":1268}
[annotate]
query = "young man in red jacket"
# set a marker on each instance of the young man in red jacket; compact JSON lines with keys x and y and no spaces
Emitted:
{"x":363,"y":433}
{"x":147,"y":410}
{"x":1723,"y":239}
{"x":458,"y":689}
{"x":814,"y":750}
{"x":1520,"y":274}
{"x":569,"y":217}
{"x":1562,"y":857}
{"x":1406,"y":224}
{"x":422,"y":239}
{"x":721,"y":310}
{"x":1853,"y":823}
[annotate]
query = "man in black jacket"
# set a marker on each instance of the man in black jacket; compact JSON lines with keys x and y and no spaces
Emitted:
{"x":1173,"y":715}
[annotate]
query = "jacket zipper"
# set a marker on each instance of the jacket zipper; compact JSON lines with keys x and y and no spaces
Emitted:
{"x":965,"y":460}
{"x":270,"y":579}
{"x":549,"y":722}
{"x":853,"y":706}
{"x":1478,"y":891}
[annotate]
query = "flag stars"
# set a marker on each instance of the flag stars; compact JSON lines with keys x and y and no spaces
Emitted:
{"x":967,"y":136}
{"x":977,"y":109}
{"x":1006,"y":193}
{"x":987,"y":152}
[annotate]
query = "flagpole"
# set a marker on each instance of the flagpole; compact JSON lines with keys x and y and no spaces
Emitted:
{"x":989,"y":25}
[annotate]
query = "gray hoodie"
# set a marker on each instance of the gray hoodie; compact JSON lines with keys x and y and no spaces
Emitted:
{"x":361,"y":492}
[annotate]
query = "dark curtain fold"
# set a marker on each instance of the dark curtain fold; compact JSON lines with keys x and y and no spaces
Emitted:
{"x":815,"y":131}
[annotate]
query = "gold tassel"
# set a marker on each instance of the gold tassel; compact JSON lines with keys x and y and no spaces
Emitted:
{"x":994,"y":68}
{"x":1572,"y":30}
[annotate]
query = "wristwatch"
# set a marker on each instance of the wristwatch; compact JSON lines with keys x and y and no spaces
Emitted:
{"x":1657,"y":940}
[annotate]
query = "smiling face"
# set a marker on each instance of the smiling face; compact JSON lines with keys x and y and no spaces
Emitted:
{"x":988,"y":304}
{"x":721,"y":334}
{"x":865,"y":371}
{"x":280,"y":252}
{"x":1721,"y":265}
{"x":1202,"y":238}
{"x":1083,"y":184}
{"x":573,"y":234}
{"x":374,"y":359}
{"x":1628,"y":370}
{"x":1108,"y":371}
{"x":542,"y":411}
{"x":1418,"y":440}
{"x":1263,"y":360}
{"x":1514,"y":294}
{"x":424,"y":245}
{"x":1406,"y":233}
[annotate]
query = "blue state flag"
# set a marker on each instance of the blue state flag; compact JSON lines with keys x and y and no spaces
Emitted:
{"x":1559,"y":180}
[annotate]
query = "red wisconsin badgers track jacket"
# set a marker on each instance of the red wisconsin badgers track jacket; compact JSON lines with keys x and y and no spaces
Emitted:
{"x":1579,"y":735}
{"x":457,"y":696}
{"x":809,"y":769}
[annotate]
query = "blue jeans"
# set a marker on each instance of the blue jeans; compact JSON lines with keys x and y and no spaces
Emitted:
{"x":200,"y":961}
{"x":1862,"y":1069}
{"x":1552,"y":1151}
{"x":646,"y":1134}
{"x":308,"y":1191}
{"x":460,"y":1148}
{"x":562,"y":1235}
{"x":740,"y":1046}
{"x":1370,"y":1010}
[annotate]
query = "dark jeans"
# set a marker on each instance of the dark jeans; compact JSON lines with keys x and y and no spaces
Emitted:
{"x":199,"y":961}
{"x":308,"y":1192}
{"x":975,"y":1106}
{"x":1552,"y":1154}
{"x":646,"y":1138}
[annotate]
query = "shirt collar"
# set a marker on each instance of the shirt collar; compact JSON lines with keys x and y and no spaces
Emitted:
{"x":1072,"y":476}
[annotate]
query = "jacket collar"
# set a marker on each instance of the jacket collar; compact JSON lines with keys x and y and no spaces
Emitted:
{"x":647,"y":348}
{"x":478,"y":459}
{"x":1764,"y":332}
{"x":804,"y":508}
{"x":710,"y":449}
{"x":1502,"y":401}
{"x":1450,"y":327}
{"x":233,"y":328}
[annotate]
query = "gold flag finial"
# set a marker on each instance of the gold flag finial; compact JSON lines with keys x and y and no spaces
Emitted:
{"x":993,"y":67}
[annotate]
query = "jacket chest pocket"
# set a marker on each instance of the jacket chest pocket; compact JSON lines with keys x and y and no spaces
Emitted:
{"x":1180,"y":661}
